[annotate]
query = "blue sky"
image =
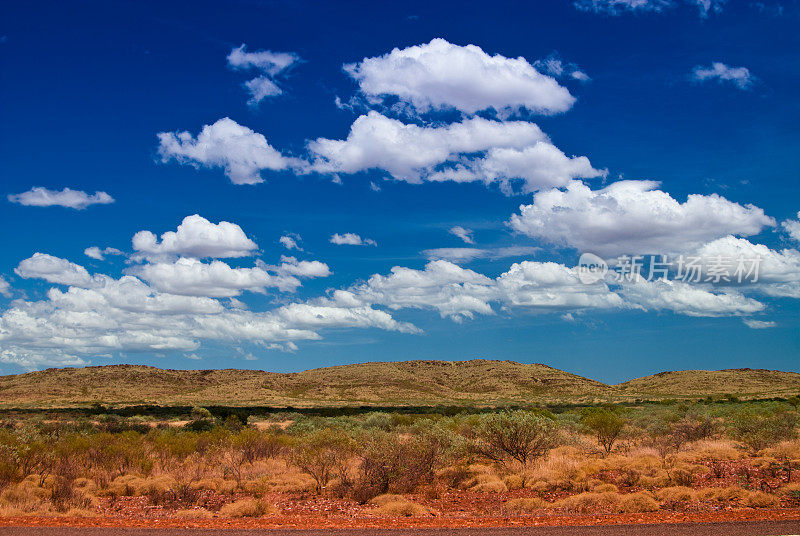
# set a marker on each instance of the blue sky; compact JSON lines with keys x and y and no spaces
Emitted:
{"x":568,"y":108}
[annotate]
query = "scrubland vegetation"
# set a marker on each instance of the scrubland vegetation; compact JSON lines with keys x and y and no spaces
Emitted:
{"x":675,"y":456}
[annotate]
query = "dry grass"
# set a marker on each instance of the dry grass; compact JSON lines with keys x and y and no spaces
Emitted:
{"x":675,"y":496}
{"x":396,"y":505}
{"x":759,"y":499}
{"x":247,"y":508}
{"x":525,"y":505}
{"x":475,"y":382}
{"x":590,"y":502}
{"x":634,"y":503}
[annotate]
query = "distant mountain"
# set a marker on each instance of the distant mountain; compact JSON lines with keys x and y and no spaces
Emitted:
{"x":407,"y":383}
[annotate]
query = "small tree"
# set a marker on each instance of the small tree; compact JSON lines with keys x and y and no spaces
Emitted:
{"x":321,"y":453}
{"x":606,"y":425}
{"x":520,"y":436}
{"x":760,"y":428}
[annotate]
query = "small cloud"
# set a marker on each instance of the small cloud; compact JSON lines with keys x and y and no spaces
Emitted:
{"x":738,"y":76}
{"x":463,"y":233}
{"x":5,"y":288}
{"x":759,"y":324}
{"x":290,"y":242}
{"x":193,"y":356}
{"x":271,"y":64}
{"x":374,"y":187}
{"x":99,"y":254}
{"x":351,"y":239}
{"x":235,"y":303}
{"x":554,"y":66}
{"x":792,"y":228}
{"x":42,"y":197}
{"x":457,"y":255}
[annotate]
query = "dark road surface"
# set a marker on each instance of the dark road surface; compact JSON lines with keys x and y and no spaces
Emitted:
{"x":759,"y":528}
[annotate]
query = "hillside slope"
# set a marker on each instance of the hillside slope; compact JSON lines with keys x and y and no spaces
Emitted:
{"x":744,"y":383}
{"x":407,"y":383}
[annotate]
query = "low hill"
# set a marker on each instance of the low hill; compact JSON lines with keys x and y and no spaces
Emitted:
{"x":407,"y":383}
{"x":744,"y":383}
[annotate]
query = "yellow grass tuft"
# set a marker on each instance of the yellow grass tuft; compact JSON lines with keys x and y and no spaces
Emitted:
{"x":247,"y":508}
{"x":634,"y":503}
{"x":759,"y":499}
{"x":396,"y":505}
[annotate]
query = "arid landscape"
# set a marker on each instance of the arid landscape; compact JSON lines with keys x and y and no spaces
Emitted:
{"x":481,"y":383}
{"x":88,"y":447}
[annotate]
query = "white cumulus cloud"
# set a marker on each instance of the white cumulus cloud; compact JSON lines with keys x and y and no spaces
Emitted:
{"x":351,"y":239}
{"x":633,"y":217}
{"x":475,"y":149}
{"x":440,"y":75}
{"x":196,"y":237}
{"x":240,"y":151}
{"x":53,"y":270}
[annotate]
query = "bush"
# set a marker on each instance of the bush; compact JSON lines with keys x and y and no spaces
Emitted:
{"x":391,"y":462}
{"x":322,"y":454}
{"x":520,"y":436}
{"x":760,"y":428}
{"x":606,"y":425}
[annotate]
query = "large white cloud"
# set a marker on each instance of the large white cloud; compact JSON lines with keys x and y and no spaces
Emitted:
{"x":475,"y":149}
{"x":196,"y":237}
{"x":453,"y":291}
{"x":192,"y":277}
{"x":42,"y":197}
{"x":633,"y":217}
{"x":440,"y":75}
{"x":548,"y":285}
{"x":687,"y":299}
{"x":775,"y":273}
{"x":54,"y":270}
{"x":127,"y":315}
{"x":240,"y":151}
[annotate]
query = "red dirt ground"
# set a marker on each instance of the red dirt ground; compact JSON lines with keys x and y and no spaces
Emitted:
{"x":338,"y":521}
